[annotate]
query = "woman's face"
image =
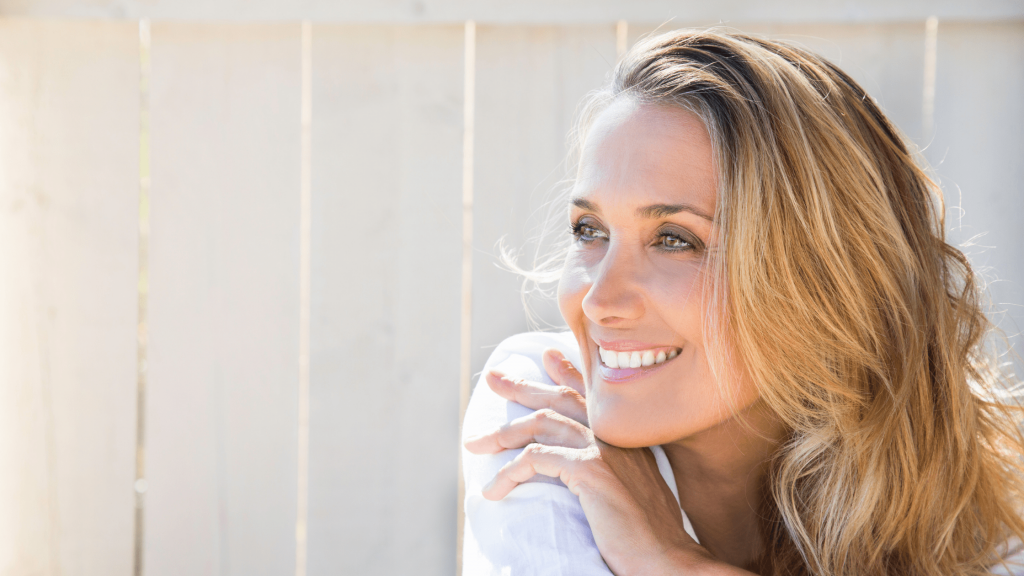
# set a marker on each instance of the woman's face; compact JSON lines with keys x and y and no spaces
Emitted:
{"x":642,"y":214}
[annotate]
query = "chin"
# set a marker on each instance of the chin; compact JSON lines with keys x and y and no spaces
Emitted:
{"x":622,"y":431}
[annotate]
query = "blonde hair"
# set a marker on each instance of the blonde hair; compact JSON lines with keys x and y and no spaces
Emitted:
{"x":837,"y":293}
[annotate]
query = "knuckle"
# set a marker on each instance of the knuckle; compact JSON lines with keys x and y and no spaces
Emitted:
{"x":592,"y":454}
{"x":532,"y":450}
{"x":591,"y":463}
{"x":567,"y":393}
{"x":545,"y":414}
{"x":503,"y":432}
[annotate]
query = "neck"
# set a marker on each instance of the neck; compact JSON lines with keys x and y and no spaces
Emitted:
{"x":720,"y":474}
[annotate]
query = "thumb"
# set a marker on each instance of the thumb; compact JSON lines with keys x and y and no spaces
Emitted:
{"x":562,"y":371}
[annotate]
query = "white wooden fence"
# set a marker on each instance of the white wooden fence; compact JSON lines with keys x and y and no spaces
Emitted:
{"x":155,"y":251}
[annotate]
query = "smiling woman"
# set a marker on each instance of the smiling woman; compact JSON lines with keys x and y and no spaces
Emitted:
{"x":759,"y":291}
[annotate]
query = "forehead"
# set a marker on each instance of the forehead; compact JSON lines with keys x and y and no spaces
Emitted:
{"x":647,"y":153}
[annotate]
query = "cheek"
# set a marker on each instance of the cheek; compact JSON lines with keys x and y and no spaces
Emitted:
{"x":572,"y":288}
{"x":676,"y":296}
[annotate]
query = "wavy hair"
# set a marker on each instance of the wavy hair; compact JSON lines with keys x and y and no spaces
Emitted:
{"x":836,"y":291}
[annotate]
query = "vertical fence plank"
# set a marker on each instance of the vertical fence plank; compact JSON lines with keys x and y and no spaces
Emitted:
{"x":978,"y":153}
{"x":223,"y":299}
{"x":69,"y":181}
{"x":530,"y":81}
{"x":386,"y":257}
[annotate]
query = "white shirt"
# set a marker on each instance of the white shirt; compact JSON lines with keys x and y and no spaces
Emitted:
{"x":539,"y":528}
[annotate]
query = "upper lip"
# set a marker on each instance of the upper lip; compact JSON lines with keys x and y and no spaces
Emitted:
{"x":629,"y":345}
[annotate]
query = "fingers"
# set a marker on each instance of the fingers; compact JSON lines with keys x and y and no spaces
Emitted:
{"x":562,"y":371}
{"x":561,"y":399}
{"x":554,"y":461}
{"x":543,"y":426}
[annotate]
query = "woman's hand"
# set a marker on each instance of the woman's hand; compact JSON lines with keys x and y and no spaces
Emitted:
{"x":634,"y":517}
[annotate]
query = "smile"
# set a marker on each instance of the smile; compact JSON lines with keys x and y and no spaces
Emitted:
{"x":636,"y":358}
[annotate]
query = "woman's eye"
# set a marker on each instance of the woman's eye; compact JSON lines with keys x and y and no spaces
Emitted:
{"x":674,"y":243}
{"x":587,"y":233}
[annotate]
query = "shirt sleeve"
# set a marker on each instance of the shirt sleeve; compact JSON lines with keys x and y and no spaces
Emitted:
{"x":539,"y":528}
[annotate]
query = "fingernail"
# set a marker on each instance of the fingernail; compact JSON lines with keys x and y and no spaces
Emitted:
{"x":555,"y":352}
{"x":496,"y":374}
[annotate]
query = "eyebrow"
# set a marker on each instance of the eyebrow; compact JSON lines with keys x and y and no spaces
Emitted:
{"x":652,"y":211}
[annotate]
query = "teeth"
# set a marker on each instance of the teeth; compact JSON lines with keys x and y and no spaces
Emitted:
{"x":634,"y":359}
{"x":610,"y":359}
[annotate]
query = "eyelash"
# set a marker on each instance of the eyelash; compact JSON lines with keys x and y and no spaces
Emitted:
{"x":577,"y":228}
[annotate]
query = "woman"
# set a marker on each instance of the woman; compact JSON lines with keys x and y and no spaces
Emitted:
{"x":758,"y":283}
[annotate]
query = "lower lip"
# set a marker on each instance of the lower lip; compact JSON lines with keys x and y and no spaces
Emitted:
{"x":627,"y":374}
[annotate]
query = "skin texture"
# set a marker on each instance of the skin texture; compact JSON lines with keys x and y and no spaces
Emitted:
{"x":642,"y":211}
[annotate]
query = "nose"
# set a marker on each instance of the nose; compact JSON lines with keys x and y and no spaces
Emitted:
{"x":615,"y":297}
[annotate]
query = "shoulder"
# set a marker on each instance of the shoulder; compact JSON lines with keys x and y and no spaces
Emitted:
{"x":540,"y":527}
